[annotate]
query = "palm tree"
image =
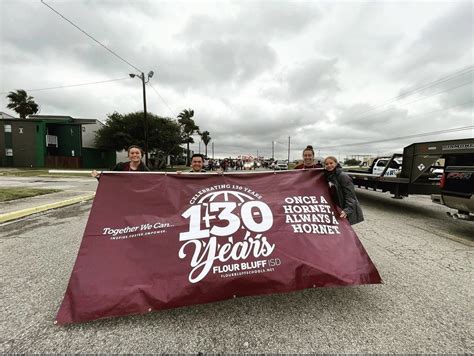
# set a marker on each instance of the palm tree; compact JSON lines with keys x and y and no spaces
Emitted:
{"x":22,"y":103}
{"x":189,"y":127}
{"x":206,"y":139}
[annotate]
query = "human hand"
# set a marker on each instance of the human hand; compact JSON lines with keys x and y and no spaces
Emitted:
{"x":95,"y":174}
{"x":343,"y":214}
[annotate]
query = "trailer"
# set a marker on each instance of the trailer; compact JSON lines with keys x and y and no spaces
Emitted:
{"x":419,"y":162}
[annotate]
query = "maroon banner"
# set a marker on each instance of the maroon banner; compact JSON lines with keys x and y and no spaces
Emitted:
{"x":156,"y":241}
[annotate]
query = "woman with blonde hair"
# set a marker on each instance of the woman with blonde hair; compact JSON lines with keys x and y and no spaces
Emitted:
{"x":345,"y":195}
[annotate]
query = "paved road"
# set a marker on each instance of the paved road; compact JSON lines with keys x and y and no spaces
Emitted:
{"x":70,"y":188}
{"x":424,"y":305}
{"x":85,"y":184}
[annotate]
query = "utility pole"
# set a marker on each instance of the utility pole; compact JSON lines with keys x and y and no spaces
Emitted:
{"x":288,"y":149}
{"x":145,"y":119}
{"x":199,"y":147}
{"x":273,"y":150}
{"x":212,"y":149}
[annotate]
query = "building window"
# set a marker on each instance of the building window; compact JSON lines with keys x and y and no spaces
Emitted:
{"x":9,"y":152}
{"x":8,"y":128}
{"x":20,"y":130}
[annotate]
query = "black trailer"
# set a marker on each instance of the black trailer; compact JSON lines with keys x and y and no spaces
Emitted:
{"x":418,"y":161}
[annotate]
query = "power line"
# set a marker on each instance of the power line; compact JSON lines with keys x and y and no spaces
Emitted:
{"x":413,"y":101}
{"x":108,"y":49}
{"x":439,"y":92}
{"x":73,"y":85}
{"x":417,"y":89}
{"x":465,"y":128}
{"x":436,"y":82}
{"x":162,"y":99}
{"x":92,"y":38}
{"x":441,"y":110}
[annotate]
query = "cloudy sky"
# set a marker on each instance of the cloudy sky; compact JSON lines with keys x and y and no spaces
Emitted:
{"x":326,"y":73}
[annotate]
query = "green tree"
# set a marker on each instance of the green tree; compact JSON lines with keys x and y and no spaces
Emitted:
{"x":188,"y":129}
{"x":22,"y":103}
{"x":352,"y":162}
{"x":169,"y":140}
{"x":122,"y":130}
{"x":205,"y":138}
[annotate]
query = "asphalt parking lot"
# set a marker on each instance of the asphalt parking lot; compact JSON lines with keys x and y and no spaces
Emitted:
{"x":424,"y":258}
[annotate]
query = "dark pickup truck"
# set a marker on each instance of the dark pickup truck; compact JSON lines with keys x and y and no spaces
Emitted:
{"x":457,"y":187}
{"x":419,"y":172}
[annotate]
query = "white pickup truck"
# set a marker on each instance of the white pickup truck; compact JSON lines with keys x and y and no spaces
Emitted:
{"x":379,"y":164}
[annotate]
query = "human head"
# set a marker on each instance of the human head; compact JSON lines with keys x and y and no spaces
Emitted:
{"x":197,"y":161}
{"x":330,"y":163}
{"x":308,"y":156}
{"x":134,"y":153}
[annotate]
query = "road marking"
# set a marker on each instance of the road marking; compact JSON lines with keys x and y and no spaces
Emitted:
{"x":25,"y":212}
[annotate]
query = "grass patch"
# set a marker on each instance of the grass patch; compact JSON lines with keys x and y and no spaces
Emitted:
{"x":45,"y":172}
{"x":23,"y":172}
{"x":39,"y":173}
{"x":7,"y":194}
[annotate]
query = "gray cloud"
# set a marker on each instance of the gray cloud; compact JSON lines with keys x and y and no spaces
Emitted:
{"x":262,"y":20}
{"x":447,"y":39}
{"x":254,"y":72}
{"x":300,"y":81}
{"x":312,"y":78}
{"x":215,"y":63}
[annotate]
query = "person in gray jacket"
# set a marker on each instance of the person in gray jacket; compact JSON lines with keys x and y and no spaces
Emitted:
{"x":344,"y":188}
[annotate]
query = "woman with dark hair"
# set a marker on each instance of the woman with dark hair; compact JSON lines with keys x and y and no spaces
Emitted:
{"x":134,"y":164}
{"x":345,"y":196}
{"x":308,"y":159}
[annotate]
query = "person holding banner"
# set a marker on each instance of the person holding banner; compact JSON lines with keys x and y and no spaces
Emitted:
{"x":197,"y":164}
{"x":345,"y":195}
{"x":308,"y":159}
{"x":134,"y":164}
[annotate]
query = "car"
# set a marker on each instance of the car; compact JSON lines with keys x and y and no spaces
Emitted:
{"x":378,"y":166}
{"x":248,"y":166}
{"x":280,"y":165}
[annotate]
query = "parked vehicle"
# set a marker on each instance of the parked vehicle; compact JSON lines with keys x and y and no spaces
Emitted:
{"x":279,"y":165}
{"x":377,"y":167}
{"x":379,"y":164}
{"x":457,"y":187}
{"x":249,"y":166}
{"x":417,"y":162}
{"x":437,"y":173}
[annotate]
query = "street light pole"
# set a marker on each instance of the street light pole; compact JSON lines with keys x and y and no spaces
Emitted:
{"x":145,"y":119}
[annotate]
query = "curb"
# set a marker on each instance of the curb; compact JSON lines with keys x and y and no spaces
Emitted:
{"x":25,"y":212}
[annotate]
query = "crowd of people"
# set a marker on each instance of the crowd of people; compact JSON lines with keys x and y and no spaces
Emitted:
{"x":342,"y":188}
